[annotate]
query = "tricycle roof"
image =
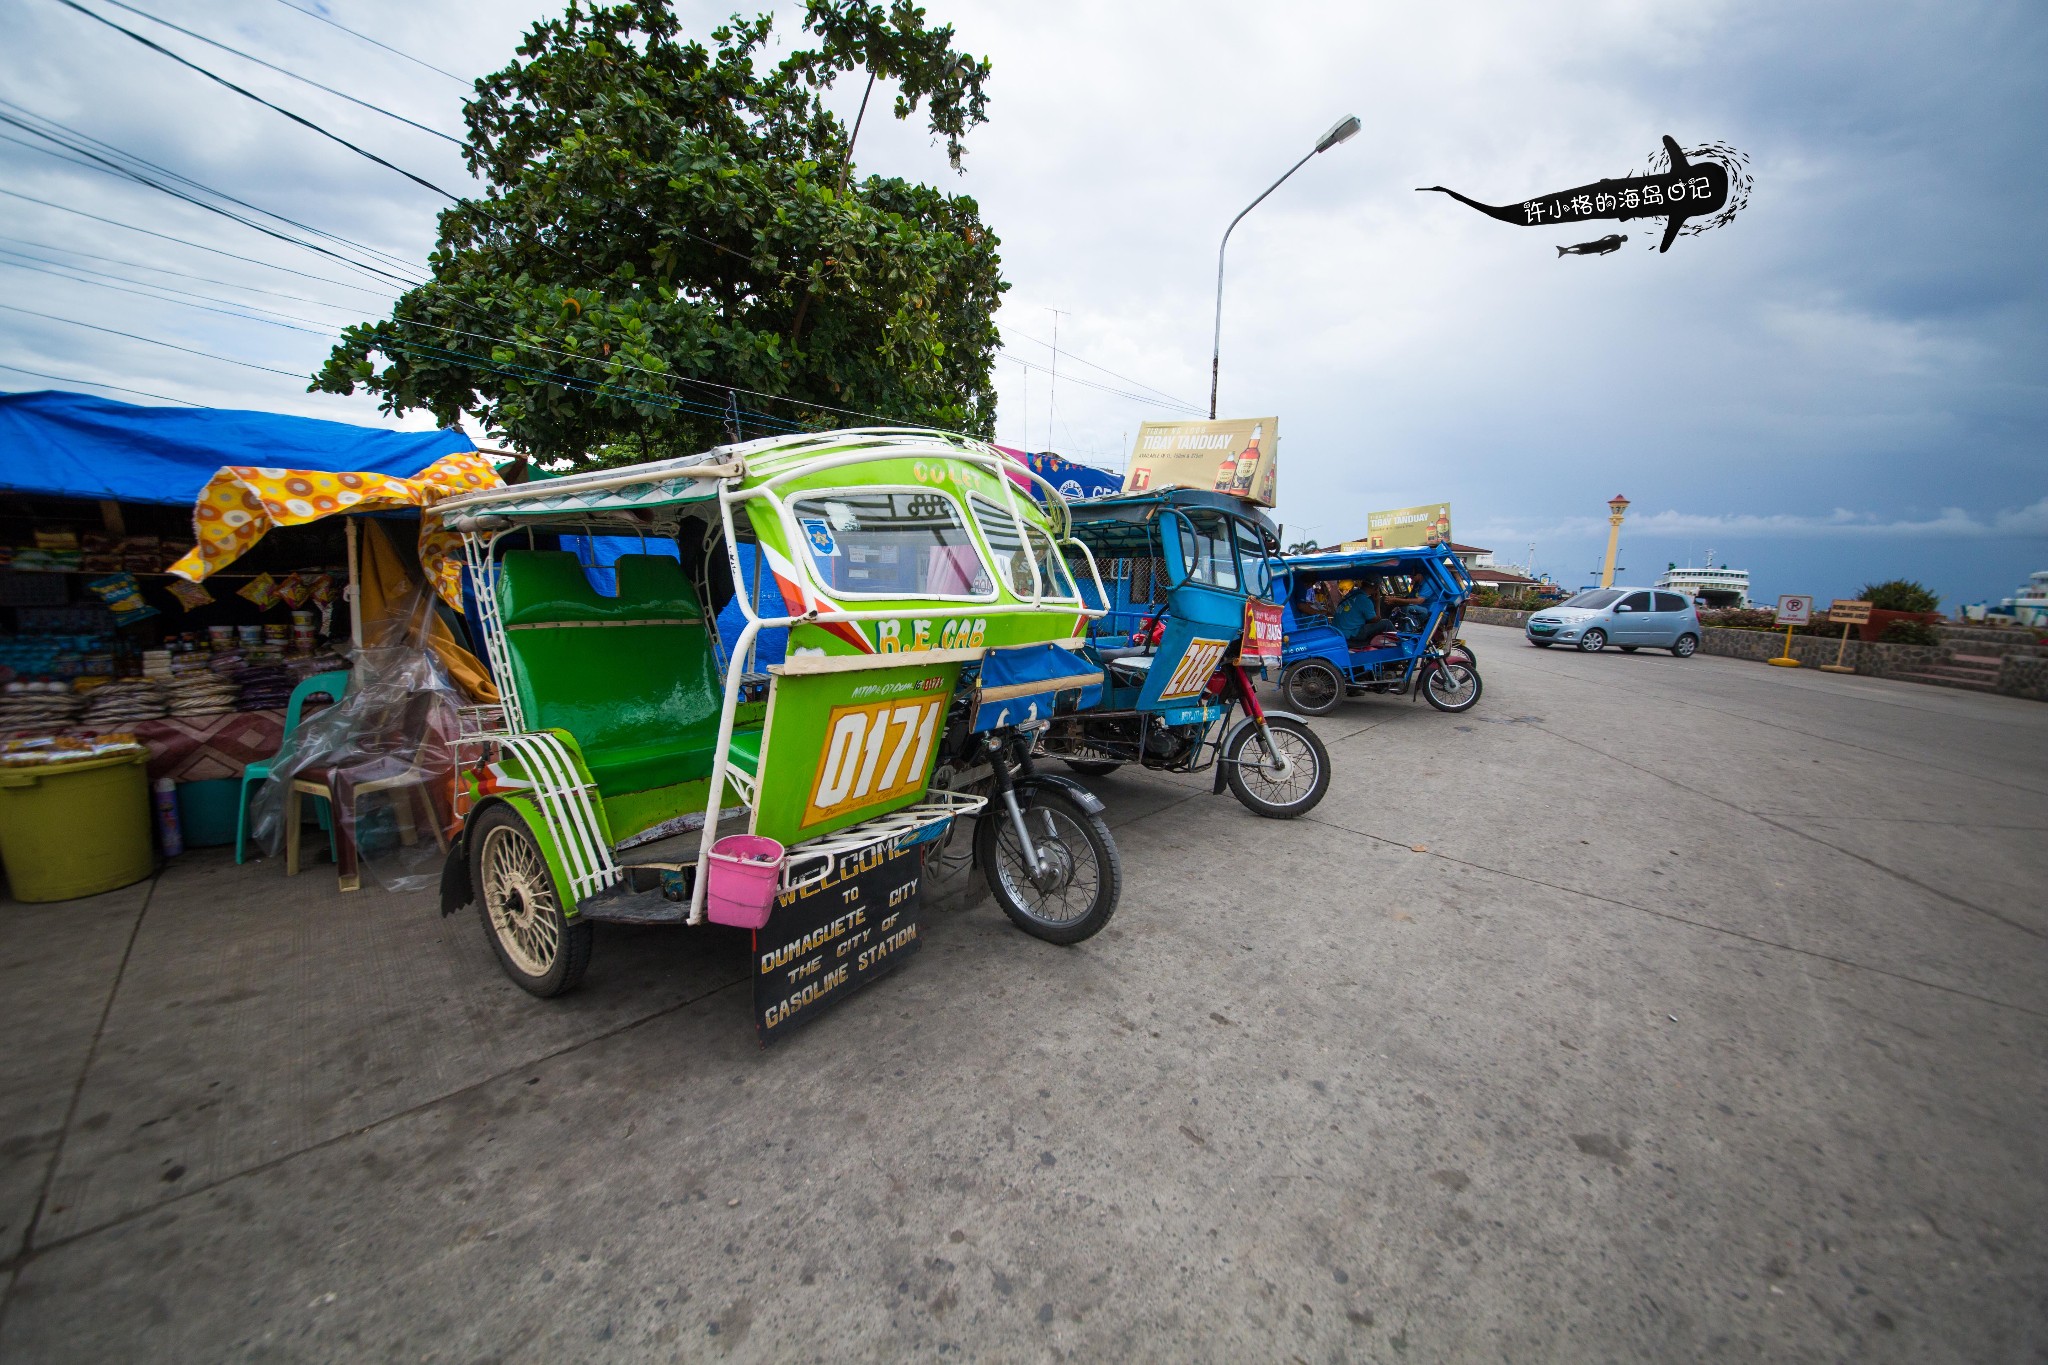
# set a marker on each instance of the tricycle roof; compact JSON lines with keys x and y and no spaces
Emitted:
{"x":1352,"y":563}
{"x":777,"y":460}
{"x":1136,"y":507}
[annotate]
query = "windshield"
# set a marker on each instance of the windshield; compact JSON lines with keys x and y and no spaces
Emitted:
{"x":1251,"y":557}
{"x":1205,"y":549}
{"x":1596,"y":600}
{"x":891,"y":543}
{"x":1000,"y":531}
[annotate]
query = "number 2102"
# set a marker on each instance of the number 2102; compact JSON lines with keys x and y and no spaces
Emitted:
{"x":872,"y":754}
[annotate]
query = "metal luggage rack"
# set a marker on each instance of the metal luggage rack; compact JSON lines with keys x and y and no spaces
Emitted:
{"x":818,"y":856}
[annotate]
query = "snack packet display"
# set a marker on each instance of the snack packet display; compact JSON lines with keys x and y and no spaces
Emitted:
{"x":191,"y":596}
{"x":262,"y":590}
{"x":123,"y":596}
{"x":295,"y":590}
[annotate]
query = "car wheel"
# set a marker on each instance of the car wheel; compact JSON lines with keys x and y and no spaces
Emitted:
{"x":1685,"y":646}
{"x":1593,"y":641}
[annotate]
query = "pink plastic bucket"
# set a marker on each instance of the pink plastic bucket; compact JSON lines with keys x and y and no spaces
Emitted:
{"x":745,"y":874}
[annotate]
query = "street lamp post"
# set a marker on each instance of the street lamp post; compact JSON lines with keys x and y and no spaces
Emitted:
{"x":1340,"y":131}
{"x":1616,"y":506}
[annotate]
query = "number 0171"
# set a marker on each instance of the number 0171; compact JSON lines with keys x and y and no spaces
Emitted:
{"x":873,"y":754}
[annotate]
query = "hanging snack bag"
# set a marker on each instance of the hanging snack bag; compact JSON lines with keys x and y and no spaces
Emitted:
{"x":262,"y":590}
{"x":123,"y":597}
{"x":294,"y":591}
{"x":191,"y":596}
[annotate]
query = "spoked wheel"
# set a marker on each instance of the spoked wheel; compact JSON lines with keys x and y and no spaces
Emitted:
{"x":1312,"y":687}
{"x":1460,"y":652}
{"x":1265,"y":792}
{"x":1451,"y":686}
{"x":1079,"y":877}
{"x":1593,"y":641}
{"x":521,"y":909}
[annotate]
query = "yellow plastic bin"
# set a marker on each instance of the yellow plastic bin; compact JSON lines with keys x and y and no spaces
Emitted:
{"x":75,"y":829}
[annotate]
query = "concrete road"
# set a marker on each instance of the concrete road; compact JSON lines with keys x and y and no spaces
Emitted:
{"x":1654,"y":1009}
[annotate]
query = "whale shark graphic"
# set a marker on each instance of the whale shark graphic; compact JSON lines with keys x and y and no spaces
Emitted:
{"x":1688,"y":189}
{"x":1599,"y":246}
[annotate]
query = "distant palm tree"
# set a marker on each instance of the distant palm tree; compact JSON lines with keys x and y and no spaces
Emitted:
{"x":1303,"y":547}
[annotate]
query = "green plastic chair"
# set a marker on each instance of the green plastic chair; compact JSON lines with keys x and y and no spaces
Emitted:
{"x":332,"y":685}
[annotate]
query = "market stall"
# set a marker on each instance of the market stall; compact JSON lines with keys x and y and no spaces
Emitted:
{"x":141,"y":601}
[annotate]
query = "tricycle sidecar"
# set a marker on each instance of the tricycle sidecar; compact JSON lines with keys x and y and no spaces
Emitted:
{"x":931,"y":627}
{"x":1186,"y":569}
{"x":1376,"y":621}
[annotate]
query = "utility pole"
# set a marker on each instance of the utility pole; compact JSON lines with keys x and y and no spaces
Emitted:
{"x":1052,"y":388}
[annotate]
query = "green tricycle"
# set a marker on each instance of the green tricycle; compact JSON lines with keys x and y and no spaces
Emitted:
{"x":930,"y":624}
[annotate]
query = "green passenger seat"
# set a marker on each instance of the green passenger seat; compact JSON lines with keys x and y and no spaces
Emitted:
{"x":633,"y":677}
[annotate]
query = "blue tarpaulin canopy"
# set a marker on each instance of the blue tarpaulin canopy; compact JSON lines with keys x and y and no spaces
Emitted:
{"x":77,"y":446}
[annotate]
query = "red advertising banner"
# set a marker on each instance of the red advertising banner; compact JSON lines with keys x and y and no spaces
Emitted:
{"x":1263,"y":634}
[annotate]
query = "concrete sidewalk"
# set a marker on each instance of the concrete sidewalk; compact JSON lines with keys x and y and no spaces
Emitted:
{"x":1652,"y":1009}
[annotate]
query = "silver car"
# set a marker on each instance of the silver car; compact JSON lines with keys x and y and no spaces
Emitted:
{"x":1627,"y":617}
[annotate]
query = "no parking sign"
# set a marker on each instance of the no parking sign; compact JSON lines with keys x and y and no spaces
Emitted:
{"x":1795,"y":609}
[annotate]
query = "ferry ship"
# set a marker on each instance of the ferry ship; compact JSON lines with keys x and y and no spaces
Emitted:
{"x":1716,"y":585}
{"x":2030,"y":605}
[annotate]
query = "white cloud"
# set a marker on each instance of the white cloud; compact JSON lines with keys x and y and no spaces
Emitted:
{"x":2019,"y":523}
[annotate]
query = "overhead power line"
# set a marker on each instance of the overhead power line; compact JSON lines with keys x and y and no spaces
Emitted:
{"x":181,"y":241}
{"x":273,"y":66}
{"x":96,"y":384}
{"x":299,"y":119}
{"x":88,"y":145}
{"x":316,"y":329}
{"x":1145,"y":398}
{"x":1069,"y":355}
{"x":165,"y":270}
{"x":459,"y":80}
{"x":172,"y":345}
{"x":117,"y":162}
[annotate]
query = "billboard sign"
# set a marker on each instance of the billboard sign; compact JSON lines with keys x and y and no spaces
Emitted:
{"x":1405,"y":528}
{"x":1236,"y":456}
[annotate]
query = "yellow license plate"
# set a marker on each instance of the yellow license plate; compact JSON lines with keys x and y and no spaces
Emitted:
{"x":873,"y":754}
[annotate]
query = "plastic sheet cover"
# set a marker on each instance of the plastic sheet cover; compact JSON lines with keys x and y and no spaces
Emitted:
{"x":383,"y":758}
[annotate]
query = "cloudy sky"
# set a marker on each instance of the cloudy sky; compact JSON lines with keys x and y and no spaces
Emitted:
{"x":1845,"y":384}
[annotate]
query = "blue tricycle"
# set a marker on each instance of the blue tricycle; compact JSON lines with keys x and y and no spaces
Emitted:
{"x":1184,"y":569}
{"x":1376,"y":621}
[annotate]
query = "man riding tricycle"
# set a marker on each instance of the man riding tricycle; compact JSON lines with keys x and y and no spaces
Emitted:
{"x":1376,"y":621}
{"x":1189,"y":570}
{"x":926,"y":609}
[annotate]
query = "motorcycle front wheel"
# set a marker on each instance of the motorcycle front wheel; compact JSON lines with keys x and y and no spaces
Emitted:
{"x":1080,"y":876}
{"x":1265,"y":792}
{"x":1451,"y":686}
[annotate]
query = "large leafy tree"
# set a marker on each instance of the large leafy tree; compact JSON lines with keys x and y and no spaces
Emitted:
{"x":671,"y":232}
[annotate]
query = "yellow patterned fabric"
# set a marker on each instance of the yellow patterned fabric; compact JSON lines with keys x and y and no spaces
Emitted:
{"x":241,"y":503}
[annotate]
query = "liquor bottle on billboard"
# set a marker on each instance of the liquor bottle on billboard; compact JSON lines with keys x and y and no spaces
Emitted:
{"x":1226,"y":473}
{"x":1247,"y":464}
{"x":1266,"y":484}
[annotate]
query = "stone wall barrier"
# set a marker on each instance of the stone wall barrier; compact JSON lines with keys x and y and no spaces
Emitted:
{"x":2019,"y":675}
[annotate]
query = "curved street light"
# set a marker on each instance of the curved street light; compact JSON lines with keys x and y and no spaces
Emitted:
{"x":1340,"y":131}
